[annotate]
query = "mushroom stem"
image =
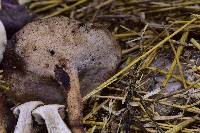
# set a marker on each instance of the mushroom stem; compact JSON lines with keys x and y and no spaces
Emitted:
{"x":25,"y":122}
{"x":50,"y":114}
{"x":68,"y":77}
{"x":74,"y":103}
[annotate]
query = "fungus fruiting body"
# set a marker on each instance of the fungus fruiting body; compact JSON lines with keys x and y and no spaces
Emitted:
{"x":58,"y":49}
{"x":3,"y":40}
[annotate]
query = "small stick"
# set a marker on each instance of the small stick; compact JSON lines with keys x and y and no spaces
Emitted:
{"x":104,"y":3}
{"x":66,"y":9}
{"x":43,"y":3}
{"x":46,"y":7}
{"x":195,"y":43}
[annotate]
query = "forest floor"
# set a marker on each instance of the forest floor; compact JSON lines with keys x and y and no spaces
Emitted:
{"x":156,"y":87}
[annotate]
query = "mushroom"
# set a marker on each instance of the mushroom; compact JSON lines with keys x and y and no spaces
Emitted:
{"x":23,"y":111}
{"x":3,"y":40}
{"x":52,"y":115}
{"x":78,"y":56}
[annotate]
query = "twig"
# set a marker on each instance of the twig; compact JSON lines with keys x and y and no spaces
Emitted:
{"x":67,"y":8}
{"x":195,"y":43}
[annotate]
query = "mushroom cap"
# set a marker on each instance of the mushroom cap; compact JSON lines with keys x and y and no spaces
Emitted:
{"x":92,"y":51}
{"x":52,"y":116}
{"x":25,"y":122}
{"x":41,"y":111}
{"x":26,"y":107}
{"x":43,"y":43}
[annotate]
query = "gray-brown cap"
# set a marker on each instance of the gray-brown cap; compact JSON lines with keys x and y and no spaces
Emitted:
{"x":90,"y":50}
